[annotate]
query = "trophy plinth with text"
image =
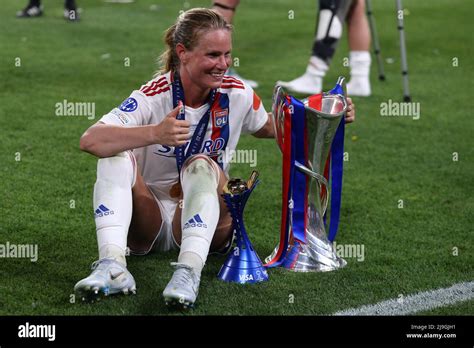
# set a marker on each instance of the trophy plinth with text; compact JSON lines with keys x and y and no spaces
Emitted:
{"x":243,"y":264}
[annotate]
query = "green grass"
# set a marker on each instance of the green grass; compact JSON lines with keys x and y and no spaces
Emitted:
{"x":390,"y":158}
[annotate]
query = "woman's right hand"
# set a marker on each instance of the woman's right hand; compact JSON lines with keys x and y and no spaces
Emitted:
{"x":172,"y":132}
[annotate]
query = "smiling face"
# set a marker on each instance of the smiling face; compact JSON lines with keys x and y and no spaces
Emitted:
{"x":204,"y":65}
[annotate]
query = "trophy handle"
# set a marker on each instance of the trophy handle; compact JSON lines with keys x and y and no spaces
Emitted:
{"x":309,"y":172}
{"x":278,"y":114}
{"x":321,"y":181}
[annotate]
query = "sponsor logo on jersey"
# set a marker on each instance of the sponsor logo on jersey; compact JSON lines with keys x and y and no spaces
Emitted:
{"x":209,"y":147}
{"x":129,"y":105}
{"x":102,"y":210}
{"x":220,"y":117}
{"x":121,"y":116}
{"x":195,"y":221}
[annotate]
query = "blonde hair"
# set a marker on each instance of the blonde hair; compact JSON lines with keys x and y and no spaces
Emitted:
{"x":187,"y":30}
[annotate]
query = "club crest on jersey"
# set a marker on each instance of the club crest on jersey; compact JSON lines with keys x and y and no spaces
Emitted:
{"x":129,"y":105}
{"x":221,"y":117}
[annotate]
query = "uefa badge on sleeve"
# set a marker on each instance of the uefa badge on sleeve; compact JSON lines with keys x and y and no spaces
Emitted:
{"x":243,"y":264}
{"x":129,"y":105}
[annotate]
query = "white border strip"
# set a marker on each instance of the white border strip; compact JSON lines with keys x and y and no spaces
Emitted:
{"x":422,"y":301}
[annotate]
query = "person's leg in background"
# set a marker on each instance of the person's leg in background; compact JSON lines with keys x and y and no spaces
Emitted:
{"x":329,"y":31}
{"x":70,"y":10}
{"x":359,"y":45}
{"x":226,"y":8}
{"x":33,"y":9}
{"x":330,"y":23}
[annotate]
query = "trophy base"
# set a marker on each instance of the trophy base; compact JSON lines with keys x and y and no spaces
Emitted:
{"x":301,"y":258}
{"x":256,"y":274}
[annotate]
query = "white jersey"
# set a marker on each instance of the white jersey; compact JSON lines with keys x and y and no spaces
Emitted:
{"x":150,"y":105}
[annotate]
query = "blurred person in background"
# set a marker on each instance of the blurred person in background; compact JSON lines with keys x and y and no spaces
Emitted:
{"x":331,"y":17}
{"x":35,"y":9}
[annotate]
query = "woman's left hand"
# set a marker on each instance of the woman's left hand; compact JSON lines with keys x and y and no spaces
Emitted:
{"x":350,"y":114}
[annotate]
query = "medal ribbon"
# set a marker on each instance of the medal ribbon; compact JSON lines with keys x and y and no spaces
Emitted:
{"x":197,"y":139}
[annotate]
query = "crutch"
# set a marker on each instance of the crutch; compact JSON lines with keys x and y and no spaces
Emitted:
{"x":375,"y":40}
{"x":403,"y":52}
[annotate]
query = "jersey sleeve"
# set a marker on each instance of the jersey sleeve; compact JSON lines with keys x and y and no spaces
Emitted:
{"x":256,"y":116}
{"x":134,"y":111}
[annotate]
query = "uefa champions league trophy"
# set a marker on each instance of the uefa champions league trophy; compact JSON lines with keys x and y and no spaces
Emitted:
{"x":243,"y":264}
{"x":305,"y":131}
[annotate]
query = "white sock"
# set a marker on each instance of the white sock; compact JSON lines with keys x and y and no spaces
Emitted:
{"x":317,"y":67}
{"x":359,"y":84}
{"x":113,"y":204}
{"x":200,"y":214}
{"x":359,"y":62}
{"x":311,"y":82}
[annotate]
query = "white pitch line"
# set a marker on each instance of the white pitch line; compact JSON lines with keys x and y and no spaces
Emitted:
{"x":417,"y":302}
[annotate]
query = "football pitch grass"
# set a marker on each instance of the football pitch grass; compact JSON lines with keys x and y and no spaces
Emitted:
{"x":407,"y":195}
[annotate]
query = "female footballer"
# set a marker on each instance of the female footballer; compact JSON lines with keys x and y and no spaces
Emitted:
{"x":159,"y":173}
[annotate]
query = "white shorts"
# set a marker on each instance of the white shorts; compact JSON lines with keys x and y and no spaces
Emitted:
{"x":164,"y":240}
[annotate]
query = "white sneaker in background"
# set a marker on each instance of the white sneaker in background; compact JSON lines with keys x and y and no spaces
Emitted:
{"x":359,"y":84}
{"x":305,"y":84}
{"x":311,"y":82}
{"x":359,"y":87}
{"x":30,"y":11}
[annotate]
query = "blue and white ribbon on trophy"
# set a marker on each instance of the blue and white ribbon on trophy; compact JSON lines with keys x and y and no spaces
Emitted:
{"x":337,"y":164}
